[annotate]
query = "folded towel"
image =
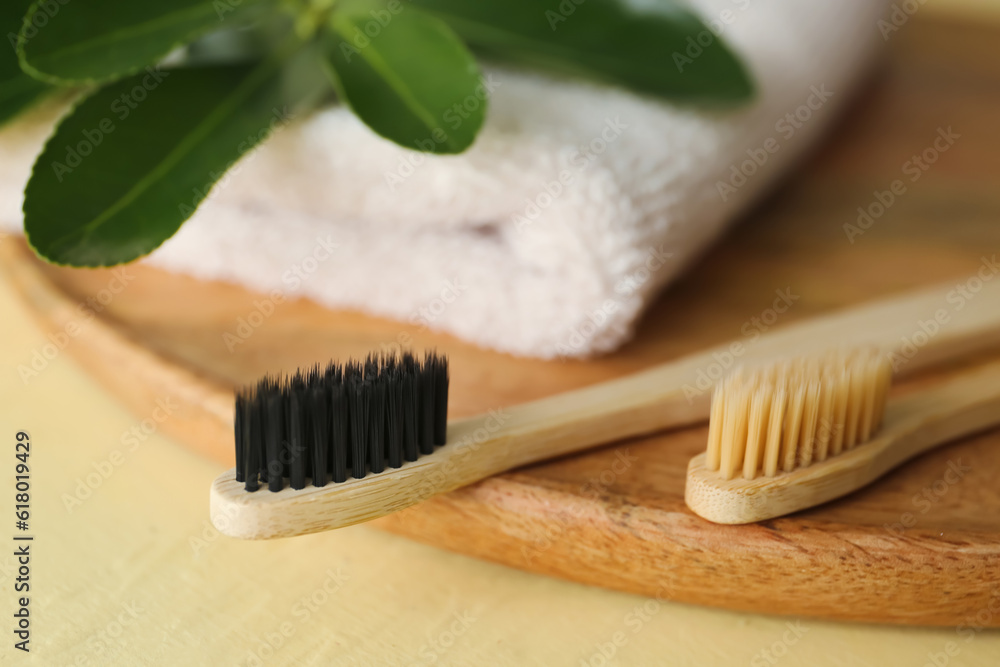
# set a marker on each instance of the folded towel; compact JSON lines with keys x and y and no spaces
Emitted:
{"x":575,"y":205}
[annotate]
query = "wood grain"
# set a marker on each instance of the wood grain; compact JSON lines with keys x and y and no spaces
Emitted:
{"x":909,"y":549}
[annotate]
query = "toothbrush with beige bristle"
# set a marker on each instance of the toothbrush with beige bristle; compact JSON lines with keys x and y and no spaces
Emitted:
{"x":802,"y":432}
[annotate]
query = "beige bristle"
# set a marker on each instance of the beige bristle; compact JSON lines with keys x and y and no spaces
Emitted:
{"x":796,"y":412}
{"x":760,"y":406}
{"x":734,"y":432}
{"x":825,"y":420}
{"x":856,"y":392}
{"x":810,"y":417}
{"x":870,"y":372}
{"x":793,"y":424}
{"x":715,"y":428}
{"x":842,"y":386}
{"x":773,"y":447}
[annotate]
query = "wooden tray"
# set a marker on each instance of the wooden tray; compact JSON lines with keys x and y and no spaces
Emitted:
{"x":921,"y":546}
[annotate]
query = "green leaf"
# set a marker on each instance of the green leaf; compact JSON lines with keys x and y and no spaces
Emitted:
{"x":18,"y":93}
{"x":407,"y":76}
{"x":134,"y":160}
{"x":17,"y":90}
{"x":654,"y":51}
{"x":88,"y":41}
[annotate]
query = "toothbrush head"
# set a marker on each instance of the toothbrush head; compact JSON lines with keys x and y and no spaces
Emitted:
{"x":796,"y":412}
{"x":345,"y":420}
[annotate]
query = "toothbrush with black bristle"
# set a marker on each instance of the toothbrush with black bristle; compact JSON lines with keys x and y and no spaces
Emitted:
{"x":353,"y":442}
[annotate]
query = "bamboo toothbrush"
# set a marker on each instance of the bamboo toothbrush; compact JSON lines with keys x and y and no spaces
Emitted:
{"x":800,"y":433}
{"x":667,"y":396}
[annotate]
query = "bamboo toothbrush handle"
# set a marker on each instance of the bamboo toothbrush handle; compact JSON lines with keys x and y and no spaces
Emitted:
{"x":667,"y":396}
{"x":476,"y":448}
{"x":913,"y":424}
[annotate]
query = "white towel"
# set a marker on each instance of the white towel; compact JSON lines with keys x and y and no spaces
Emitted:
{"x":575,"y":205}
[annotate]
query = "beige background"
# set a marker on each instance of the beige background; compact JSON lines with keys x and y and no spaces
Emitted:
{"x":134,"y":574}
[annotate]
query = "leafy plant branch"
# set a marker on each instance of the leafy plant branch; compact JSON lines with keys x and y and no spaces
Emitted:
{"x":172,"y":93}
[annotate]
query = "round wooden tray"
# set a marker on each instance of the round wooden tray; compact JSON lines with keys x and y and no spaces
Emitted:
{"x":920,"y":546}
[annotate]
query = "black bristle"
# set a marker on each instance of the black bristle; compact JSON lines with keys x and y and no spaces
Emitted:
{"x":240,"y":430}
{"x":317,"y":413}
{"x":394,"y":419}
{"x":297,"y":454}
{"x":425,"y":395}
{"x":275,"y":418}
{"x":410,"y":450}
{"x":251,"y":440}
{"x":360,"y":399}
{"x":260,"y":435}
{"x":262,"y":400}
{"x":301,"y":390}
{"x":376,"y":424}
{"x":440,"y":372}
{"x":371,"y":367}
{"x":327,"y":424}
{"x":340,"y":423}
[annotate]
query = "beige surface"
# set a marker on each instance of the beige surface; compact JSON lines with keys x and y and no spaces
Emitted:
{"x":140,"y":549}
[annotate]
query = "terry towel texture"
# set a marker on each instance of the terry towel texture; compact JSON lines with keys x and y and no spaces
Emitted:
{"x":576,"y":204}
